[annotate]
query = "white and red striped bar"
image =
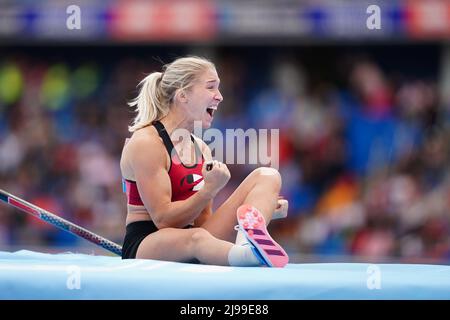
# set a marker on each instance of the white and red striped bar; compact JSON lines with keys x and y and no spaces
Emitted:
{"x":59,"y":222}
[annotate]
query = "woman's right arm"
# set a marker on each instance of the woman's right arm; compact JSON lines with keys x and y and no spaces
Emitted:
{"x":148,"y":162}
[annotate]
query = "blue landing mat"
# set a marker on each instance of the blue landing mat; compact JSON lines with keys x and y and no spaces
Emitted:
{"x":34,"y":275}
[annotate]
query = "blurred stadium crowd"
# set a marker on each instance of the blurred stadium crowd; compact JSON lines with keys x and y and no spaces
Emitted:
{"x":364,"y":149}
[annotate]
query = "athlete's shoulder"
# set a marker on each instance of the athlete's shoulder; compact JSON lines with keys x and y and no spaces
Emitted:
{"x":145,"y":137}
{"x":144,"y":144}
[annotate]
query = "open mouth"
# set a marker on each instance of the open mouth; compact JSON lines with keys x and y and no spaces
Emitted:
{"x":210,"y":111}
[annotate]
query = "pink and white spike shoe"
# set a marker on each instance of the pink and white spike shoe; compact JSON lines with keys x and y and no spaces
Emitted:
{"x":253,"y":224}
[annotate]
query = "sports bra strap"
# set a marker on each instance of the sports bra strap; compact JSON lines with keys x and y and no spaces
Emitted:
{"x":168,"y":143}
{"x":164,"y":136}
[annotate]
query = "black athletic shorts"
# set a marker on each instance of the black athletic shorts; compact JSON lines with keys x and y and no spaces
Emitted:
{"x":135,"y":233}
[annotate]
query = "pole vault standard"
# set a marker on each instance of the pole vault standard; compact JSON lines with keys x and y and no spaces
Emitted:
{"x":59,"y":222}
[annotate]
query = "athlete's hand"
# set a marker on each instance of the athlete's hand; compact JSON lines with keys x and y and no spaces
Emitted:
{"x":216,"y":175}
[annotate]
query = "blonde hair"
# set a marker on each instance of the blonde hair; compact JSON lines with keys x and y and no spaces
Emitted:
{"x":158,"y":89}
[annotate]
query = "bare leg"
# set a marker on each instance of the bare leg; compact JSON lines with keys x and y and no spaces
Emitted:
{"x":182,"y":245}
{"x":259,"y":189}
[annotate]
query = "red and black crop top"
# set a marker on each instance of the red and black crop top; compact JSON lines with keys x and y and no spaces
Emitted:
{"x":185,"y":180}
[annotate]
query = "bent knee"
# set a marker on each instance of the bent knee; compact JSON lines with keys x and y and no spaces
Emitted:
{"x":271,"y":174}
{"x":199,"y":235}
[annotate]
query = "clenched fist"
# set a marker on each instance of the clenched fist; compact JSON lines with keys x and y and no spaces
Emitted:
{"x":216,"y":175}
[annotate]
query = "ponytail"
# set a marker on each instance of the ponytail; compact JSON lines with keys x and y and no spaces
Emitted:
{"x":149,"y":106}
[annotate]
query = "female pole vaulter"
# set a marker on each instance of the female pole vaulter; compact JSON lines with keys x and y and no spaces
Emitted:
{"x":170,"y":185}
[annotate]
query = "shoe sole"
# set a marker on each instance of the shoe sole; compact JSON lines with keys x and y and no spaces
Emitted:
{"x":253,"y":224}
